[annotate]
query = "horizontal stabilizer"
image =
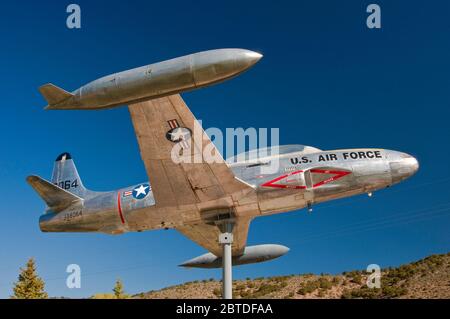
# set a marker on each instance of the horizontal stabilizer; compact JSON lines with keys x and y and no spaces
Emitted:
{"x":56,"y":198}
{"x":54,"y":94}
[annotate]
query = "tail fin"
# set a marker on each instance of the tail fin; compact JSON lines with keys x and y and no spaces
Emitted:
{"x":54,"y":94}
{"x":57,"y":199}
{"x":65,"y":175}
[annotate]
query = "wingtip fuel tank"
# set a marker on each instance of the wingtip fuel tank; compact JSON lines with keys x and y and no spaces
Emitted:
{"x":153,"y":81}
{"x":252,"y":254}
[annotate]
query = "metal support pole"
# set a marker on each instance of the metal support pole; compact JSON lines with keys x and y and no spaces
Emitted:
{"x":226,"y":239}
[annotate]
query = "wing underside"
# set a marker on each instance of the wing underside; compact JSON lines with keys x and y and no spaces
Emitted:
{"x":207,"y":236}
{"x":161,"y":127}
{"x":185,"y":168}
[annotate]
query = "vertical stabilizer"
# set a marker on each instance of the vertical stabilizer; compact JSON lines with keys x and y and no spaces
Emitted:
{"x":65,"y":175}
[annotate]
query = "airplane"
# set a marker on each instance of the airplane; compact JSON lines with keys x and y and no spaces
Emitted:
{"x":198,"y":198}
{"x":209,"y":200}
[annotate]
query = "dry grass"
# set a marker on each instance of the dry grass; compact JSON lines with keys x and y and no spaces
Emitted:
{"x":426,"y":278}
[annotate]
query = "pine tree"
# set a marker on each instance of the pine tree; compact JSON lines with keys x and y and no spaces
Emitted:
{"x":118,"y":290}
{"x":29,"y":285}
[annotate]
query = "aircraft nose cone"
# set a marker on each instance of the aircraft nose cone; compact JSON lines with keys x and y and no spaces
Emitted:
{"x":413,"y":164}
{"x":404,"y":167}
{"x":410,"y":165}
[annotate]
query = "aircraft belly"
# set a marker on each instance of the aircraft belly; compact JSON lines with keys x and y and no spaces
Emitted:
{"x":80,"y":220}
{"x":155,"y":217}
{"x":331,"y":196}
{"x":102,"y":214}
{"x":273,"y":202}
{"x":345,"y":185}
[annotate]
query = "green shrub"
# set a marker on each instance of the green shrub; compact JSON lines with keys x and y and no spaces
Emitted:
{"x":354,"y":276}
{"x":265,"y":289}
{"x":324,"y":283}
{"x":217,"y":292}
{"x":310,"y":286}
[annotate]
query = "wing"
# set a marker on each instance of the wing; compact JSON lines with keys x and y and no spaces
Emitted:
{"x":184,"y":168}
{"x":182,"y":163}
{"x":207,"y":236}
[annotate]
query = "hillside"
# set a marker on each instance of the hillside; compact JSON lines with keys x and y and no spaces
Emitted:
{"x":426,"y":278}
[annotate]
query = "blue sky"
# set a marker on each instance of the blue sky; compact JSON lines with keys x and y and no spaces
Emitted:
{"x":326,"y":80}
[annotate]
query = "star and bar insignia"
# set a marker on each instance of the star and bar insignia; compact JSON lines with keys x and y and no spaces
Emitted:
{"x":179,"y":134}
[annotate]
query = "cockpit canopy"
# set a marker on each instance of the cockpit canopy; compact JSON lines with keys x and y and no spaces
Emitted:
{"x":267,"y":152}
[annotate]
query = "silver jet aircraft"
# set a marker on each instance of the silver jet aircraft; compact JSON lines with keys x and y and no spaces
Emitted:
{"x":196,"y":198}
{"x":202,"y":199}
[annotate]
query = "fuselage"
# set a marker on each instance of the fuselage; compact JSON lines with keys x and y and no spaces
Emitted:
{"x":290,"y":180}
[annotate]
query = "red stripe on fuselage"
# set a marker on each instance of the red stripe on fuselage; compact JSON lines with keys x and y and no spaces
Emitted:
{"x":119,"y":207}
{"x":337,"y":175}
{"x":272,"y":182}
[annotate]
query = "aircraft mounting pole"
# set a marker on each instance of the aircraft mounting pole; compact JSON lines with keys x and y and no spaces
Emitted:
{"x":226,"y":240}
